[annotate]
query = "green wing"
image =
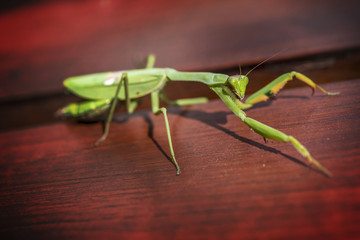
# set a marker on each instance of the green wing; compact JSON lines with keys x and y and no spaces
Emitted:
{"x":103,"y":85}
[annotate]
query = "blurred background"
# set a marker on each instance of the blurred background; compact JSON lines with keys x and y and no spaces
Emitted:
{"x":43,"y":42}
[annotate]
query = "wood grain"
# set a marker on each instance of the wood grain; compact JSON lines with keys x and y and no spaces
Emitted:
{"x":55,"y":184}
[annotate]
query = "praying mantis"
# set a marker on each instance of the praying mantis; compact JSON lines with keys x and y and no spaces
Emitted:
{"x":103,"y":90}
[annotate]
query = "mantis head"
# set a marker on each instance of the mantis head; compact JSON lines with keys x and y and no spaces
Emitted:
{"x":238,"y":84}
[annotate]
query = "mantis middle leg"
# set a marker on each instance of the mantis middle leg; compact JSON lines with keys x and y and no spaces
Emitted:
{"x":157,"y":110}
{"x":275,"y":86}
{"x":182,"y":102}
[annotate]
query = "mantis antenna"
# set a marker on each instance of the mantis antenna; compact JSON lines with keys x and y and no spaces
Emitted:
{"x":264,"y":62}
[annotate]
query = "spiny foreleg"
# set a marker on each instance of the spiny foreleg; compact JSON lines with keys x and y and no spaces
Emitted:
{"x":275,"y":86}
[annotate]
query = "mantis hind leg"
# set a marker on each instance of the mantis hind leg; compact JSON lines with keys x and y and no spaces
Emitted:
{"x":157,"y":110}
{"x":275,"y":86}
{"x":113,"y":106}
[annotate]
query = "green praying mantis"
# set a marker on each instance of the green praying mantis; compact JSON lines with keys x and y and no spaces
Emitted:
{"x":103,"y":90}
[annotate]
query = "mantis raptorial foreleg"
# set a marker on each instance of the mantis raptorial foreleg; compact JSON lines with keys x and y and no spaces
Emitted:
{"x":265,"y":131}
{"x":113,"y":106}
{"x":275,"y":86}
{"x":272,"y":133}
{"x":157,"y":110}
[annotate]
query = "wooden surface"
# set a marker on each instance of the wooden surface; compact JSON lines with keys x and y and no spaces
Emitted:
{"x":56,"y":185}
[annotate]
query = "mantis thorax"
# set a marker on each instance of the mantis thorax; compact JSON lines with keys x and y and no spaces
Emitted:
{"x":238,"y":84}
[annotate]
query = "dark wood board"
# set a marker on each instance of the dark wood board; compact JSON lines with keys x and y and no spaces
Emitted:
{"x":55,"y":184}
{"x":41,"y":44}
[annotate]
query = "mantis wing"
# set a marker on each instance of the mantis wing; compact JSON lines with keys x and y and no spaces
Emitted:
{"x":103,"y":85}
